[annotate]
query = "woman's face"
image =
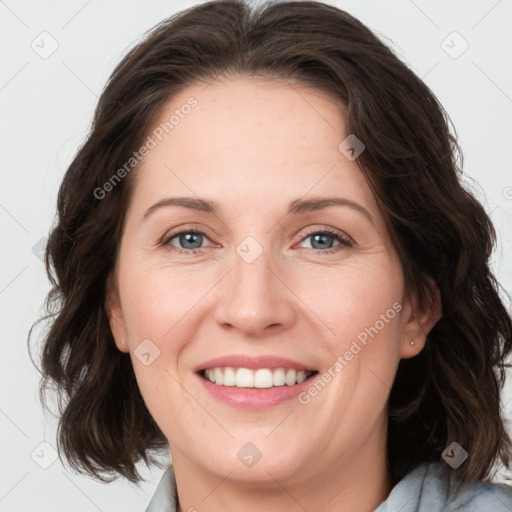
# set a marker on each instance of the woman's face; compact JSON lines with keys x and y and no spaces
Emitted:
{"x":260,"y":278}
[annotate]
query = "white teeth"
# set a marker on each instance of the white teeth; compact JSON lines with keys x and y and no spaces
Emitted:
{"x":279,"y":377}
{"x":229,"y":377}
{"x":218,"y":376}
{"x":301,"y":376}
{"x":244,"y":378}
{"x":291,"y":377}
{"x":261,"y":378}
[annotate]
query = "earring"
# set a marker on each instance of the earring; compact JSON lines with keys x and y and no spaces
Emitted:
{"x":412,"y":342}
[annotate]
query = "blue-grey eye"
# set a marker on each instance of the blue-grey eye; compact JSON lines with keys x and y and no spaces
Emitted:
{"x":191,"y":240}
{"x":320,"y":238}
{"x":187,"y":240}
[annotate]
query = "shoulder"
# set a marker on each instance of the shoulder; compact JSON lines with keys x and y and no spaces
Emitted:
{"x":433,"y":487}
{"x":479,"y":497}
{"x":165,"y":496}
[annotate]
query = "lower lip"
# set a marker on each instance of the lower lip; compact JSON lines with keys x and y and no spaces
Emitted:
{"x":255,"y":398}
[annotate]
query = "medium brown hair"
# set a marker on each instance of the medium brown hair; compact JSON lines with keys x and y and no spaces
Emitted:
{"x":449,"y":392}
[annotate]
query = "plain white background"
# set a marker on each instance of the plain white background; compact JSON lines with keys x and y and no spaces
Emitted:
{"x":46,"y":107}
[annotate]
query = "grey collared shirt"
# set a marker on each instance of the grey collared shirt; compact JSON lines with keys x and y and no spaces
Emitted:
{"x":430,"y":487}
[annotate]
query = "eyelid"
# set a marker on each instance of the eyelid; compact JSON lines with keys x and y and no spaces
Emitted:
{"x":187,"y":228}
{"x":343,"y":238}
{"x":302,"y":234}
{"x":325,"y":229}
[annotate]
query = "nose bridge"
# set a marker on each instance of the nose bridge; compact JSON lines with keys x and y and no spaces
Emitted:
{"x":254,"y":297}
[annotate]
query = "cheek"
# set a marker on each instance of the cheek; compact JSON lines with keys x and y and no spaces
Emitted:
{"x":162,"y":307}
{"x":361,"y":307}
{"x":156,"y":310}
{"x":354,"y":297}
{"x":343,"y":302}
{"x":158,"y":302}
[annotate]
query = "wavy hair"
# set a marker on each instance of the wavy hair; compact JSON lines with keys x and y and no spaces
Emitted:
{"x":412,"y":162}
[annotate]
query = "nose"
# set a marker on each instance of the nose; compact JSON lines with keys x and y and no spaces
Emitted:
{"x":254,"y":298}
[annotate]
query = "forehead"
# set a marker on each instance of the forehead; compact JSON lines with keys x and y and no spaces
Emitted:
{"x":249,"y":141}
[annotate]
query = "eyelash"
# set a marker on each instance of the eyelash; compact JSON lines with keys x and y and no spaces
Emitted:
{"x":344,"y":240}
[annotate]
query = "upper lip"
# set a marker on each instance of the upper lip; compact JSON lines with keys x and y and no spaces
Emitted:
{"x":244,"y":361}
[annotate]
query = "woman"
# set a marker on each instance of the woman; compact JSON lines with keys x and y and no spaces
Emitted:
{"x":267,"y":265}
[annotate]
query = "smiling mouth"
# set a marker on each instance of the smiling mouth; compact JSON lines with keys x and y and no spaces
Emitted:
{"x":262,"y":378}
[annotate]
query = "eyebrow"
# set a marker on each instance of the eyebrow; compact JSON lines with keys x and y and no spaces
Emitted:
{"x":296,"y":206}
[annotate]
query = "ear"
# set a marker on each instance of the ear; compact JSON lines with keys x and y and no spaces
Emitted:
{"x":115,"y":313}
{"x":418,"y":321}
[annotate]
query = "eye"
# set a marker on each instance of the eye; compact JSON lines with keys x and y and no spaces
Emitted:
{"x":321,"y":239}
{"x":190,"y":239}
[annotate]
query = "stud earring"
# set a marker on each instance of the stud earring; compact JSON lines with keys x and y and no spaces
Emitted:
{"x":412,"y":342}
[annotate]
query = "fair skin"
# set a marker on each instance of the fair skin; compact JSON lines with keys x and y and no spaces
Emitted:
{"x":252,"y":147}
